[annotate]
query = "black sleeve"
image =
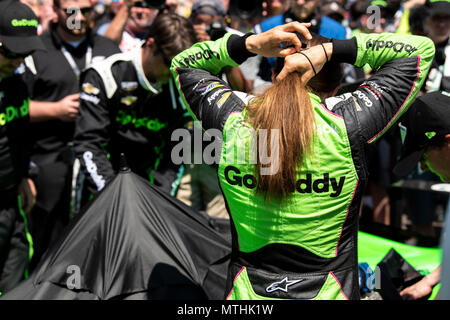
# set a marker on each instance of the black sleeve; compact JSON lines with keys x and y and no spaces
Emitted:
{"x":92,"y":132}
{"x":380,"y":100}
{"x":377,"y":101}
{"x":209,"y":97}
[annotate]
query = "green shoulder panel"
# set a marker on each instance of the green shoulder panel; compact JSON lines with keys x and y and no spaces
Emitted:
{"x":378,"y":49}
{"x":211,"y":56}
{"x":208,"y":55}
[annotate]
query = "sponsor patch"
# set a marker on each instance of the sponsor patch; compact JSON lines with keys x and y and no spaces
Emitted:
{"x":128,"y":100}
{"x":397,"y":47}
{"x":144,"y":122}
{"x":223,"y":99}
{"x":89,"y":98}
{"x":91,"y":167}
{"x":192,"y":58}
{"x":24,"y":23}
{"x":203,"y":91}
{"x":216,"y":94}
{"x":129,"y":85}
{"x":89,"y":88}
{"x":361,"y":95}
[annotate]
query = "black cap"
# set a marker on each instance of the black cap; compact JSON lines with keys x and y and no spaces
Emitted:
{"x":211,"y":7}
{"x":438,"y":7}
{"x":332,"y":9}
{"x":18,"y":27}
{"x":426,"y":123}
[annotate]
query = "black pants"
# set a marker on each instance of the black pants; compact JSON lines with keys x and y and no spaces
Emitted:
{"x":51,"y":213}
{"x":14,"y":246}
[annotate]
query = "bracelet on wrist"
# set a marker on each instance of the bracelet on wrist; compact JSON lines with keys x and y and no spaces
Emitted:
{"x":312,"y":66}
{"x":325,"y":51}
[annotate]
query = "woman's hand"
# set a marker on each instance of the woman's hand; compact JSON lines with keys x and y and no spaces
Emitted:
{"x":308,"y":68}
{"x":267,"y":44}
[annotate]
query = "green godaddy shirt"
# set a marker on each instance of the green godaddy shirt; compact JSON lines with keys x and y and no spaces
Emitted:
{"x":304,"y":247}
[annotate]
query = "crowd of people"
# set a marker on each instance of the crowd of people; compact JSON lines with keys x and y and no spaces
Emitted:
{"x":85,"y":84}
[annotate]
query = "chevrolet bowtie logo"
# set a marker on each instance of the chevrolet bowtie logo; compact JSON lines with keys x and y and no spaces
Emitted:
{"x":282,"y":285}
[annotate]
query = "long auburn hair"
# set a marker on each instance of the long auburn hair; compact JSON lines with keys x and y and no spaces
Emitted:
{"x":286,"y":106}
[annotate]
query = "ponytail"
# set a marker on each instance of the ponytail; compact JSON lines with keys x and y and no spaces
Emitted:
{"x":286,"y":112}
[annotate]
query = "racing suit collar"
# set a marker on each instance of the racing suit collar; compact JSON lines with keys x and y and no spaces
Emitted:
{"x":314,"y":97}
{"x":136,"y":58}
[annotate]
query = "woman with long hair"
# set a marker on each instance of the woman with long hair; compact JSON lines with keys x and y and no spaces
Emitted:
{"x":292,"y":161}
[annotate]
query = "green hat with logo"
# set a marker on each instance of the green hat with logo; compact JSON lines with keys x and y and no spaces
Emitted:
{"x":18,"y":27}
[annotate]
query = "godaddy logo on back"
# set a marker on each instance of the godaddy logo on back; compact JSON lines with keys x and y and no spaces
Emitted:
{"x":308,"y":184}
{"x":24,"y":23}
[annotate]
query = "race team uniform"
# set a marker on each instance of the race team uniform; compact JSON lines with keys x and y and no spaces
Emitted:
{"x":304,"y":247}
{"x":51,"y":76}
{"x":15,"y":146}
{"x":122,"y":112}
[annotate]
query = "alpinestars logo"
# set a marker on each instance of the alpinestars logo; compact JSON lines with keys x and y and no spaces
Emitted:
{"x":282,"y":285}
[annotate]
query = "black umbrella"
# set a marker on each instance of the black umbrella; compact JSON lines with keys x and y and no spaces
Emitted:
{"x":133,"y":241}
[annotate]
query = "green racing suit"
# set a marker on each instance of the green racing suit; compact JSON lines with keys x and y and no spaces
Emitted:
{"x":304,"y":247}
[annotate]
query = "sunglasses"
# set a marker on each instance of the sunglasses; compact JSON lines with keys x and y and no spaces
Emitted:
{"x":8,"y":54}
{"x":73,"y":10}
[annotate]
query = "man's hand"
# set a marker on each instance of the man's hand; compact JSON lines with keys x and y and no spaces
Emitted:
{"x":299,"y":63}
{"x":27,"y":192}
{"x":67,"y":108}
{"x":417,"y":291}
{"x":267,"y":44}
{"x":423,"y":288}
{"x":200,"y":33}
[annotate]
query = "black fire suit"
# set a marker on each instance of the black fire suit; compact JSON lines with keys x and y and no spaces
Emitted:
{"x":303,"y":246}
{"x":14,"y":163}
{"x":121,"y":112}
{"x":50,"y":76}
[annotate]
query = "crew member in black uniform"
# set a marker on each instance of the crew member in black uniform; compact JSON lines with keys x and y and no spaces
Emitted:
{"x":18,"y":38}
{"x":129,"y":105}
{"x":52,"y":79}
